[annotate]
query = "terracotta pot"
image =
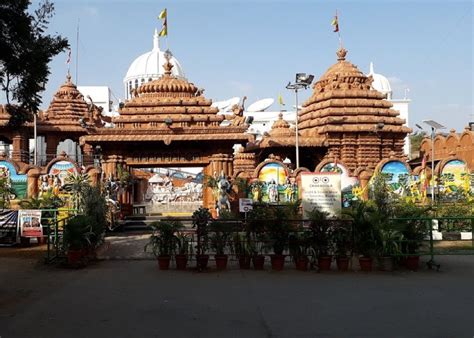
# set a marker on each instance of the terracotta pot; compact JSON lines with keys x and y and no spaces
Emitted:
{"x":386,"y":263}
{"x":202,"y":261}
{"x":278,"y":262}
{"x":164,"y":262}
{"x":221,"y":262}
{"x":181,"y":261}
{"x":324,"y":263}
{"x":74,"y":257}
{"x":365,"y":263}
{"x":302,"y":263}
{"x":258,"y":262}
{"x":413,"y":262}
{"x":244,"y":262}
{"x":342,"y":263}
{"x":41,"y":240}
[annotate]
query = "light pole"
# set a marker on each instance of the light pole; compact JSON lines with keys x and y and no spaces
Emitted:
{"x":434,"y":126}
{"x":303,"y":81}
{"x":35,"y":136}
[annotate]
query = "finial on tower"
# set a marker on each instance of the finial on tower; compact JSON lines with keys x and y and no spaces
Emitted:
{"x":168,"y":66}
{"x":341,"y":54}
{"x":156,"y":44}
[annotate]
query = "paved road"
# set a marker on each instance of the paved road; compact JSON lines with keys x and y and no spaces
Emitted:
{"x":134,"y":299}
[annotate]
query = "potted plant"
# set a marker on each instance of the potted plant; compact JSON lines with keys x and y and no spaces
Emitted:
{"x":163,"y":241}
{"x":201,"y":218}
{"x":409,"y":218}
{"x":221,"y":231}
{"x":183,"y":242}
{"x":243,"y":249}
{"x":342,"y":236}
{"x":390,"y":240}
{"x":278,"y":230}
{"x":321,"y":238}
{"x":76,"y":238}
{"x":364,"y":233}
{"x":256,"y":225}
{"x":299,"y":244}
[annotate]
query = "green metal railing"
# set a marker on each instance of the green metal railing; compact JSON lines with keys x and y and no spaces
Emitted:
{"x":53,"y":226}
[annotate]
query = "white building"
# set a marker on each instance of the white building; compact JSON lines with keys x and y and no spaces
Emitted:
{"x":148,"y":67}
{"x":101,"y":96}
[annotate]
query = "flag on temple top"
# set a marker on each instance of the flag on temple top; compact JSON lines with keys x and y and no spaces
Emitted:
{"x":68,"y":60}
{"x":163,"y":15}
{"x":280,"y":100}
{"x":335,"y":23}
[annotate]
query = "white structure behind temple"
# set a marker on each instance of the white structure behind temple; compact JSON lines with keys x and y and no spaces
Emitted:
{"x":148,"y":67}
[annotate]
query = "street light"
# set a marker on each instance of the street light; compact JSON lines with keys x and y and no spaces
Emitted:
{"x":434,"y":126}
{"x":302,"y":81}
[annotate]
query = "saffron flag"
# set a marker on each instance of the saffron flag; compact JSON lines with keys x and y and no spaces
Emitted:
{"x":335,"y":23}
{"x":163,"y":15}
{"x":280,"y":100}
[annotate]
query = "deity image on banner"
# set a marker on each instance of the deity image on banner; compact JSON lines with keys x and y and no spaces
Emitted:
{"x":397,"y":177}
{"x":454,"y":179}
{"x":349,"y":184}
{"x":60,"y":171}
{"x":274,"y":185}
{"x":17,"y":182}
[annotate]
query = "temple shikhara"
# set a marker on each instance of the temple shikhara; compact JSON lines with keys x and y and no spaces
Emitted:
{"x":166,"y":128}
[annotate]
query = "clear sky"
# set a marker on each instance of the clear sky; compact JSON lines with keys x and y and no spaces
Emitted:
{"x":253,"y":48}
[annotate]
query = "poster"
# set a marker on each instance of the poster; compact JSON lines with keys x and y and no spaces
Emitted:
{"x":321,"y":191}
{"x":30,"y":223}
{"x":274,"y":185}
{"x":17,"y":182}
{"x":397,"y":177}
{"x":454,"y":178}
{"x":348,"y":183}
{"x":8,"y":226}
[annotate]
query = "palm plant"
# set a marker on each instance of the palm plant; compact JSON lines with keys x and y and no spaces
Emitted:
{"x":6,"y":191}
{"x":76,"y":184}
{"x":163,"y":241}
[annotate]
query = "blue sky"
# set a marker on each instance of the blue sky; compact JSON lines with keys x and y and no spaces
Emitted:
{"x":253,"y":48}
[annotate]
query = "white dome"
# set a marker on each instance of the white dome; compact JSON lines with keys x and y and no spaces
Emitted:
{"x":380,"y":83}
{"x":148,"y":67}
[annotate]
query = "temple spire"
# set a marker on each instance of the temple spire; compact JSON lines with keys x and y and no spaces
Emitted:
{"x":156,"y":44}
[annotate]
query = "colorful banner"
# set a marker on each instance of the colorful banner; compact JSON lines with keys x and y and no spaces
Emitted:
{"x":348,"y":183}
{"x":274,"y":185}
{"x":8,"y":226}
{"x":30,"y":223}
{"x":17,"y":182}
{"x":397,"y":177}
{"x":454,"y":177}
{"x":321,"y":191}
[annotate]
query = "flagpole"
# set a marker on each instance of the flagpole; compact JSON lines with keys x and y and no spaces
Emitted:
{"x":77,"y":52}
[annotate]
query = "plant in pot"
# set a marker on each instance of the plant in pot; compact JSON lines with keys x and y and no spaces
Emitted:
{"x":183,"y":242}
{"x":390,"y":243}
{"x":256,"y":225}
{"x":299,"y":245}
{"x":201,"y":218}
{"x":321,"y":237}
{"x":278,"y":230}
{"x":221,"y":231}
{"x":243,"y":249}
{"x":342,"y":236}
{"x":93,"y":204}
{"x":409,"y":219}
{"x":163,"y":241}
{"x":76,"y":239}
{"x":364,"y":233}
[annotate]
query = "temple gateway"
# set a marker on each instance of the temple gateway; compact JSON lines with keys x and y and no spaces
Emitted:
{"x":167,"y":123}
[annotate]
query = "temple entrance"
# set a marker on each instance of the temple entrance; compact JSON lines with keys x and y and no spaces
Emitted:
{"x":169,"y":190}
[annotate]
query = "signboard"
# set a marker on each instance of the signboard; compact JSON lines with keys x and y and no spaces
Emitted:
{"x":245,"y":204}
{"x":8,"y":226}
{"x":30,"y":223}
{"x":321,"y":191}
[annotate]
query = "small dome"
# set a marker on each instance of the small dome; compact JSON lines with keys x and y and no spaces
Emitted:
{"x":148,"y":67}
{"x":380,"y":82}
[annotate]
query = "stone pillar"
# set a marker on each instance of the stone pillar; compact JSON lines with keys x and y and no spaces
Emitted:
{"x":20,"y":148}
{"x":94,"y":176}
{"x":364,"y":178}
{"x":32,"y":181}
{"x":51,"y":147}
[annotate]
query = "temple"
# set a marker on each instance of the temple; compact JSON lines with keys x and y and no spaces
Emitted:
{"x":167,"y":122}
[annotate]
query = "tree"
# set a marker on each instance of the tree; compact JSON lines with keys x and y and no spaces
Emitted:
{"x":415,"y":141}
{"x":25,"y":52}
